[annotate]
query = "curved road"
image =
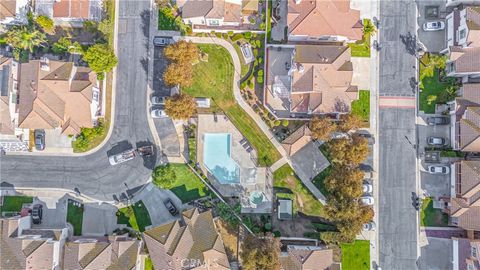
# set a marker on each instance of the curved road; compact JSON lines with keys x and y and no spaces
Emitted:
{"x":92,"y":175}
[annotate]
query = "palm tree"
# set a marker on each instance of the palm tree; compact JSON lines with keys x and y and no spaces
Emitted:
{"x":368,"y":28}
{"x":24,"y":38}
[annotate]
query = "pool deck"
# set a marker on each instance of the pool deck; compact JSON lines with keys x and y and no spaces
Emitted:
{"x":252,"y":178}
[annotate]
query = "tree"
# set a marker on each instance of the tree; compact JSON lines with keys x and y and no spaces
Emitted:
{"x":180,"y":106}
{"x":349,"y":122}
{"x":163,"y":4}
{"x":227,"y":214}
{"x":46,"y":24}
{"x":182,"y":52}
{"x":431,"y":99}
{"x":24,"y":38}
{"x":348,"y":151}
{"x":164,"y":176}
{"x":178,"y":74}
{"x":368,"y":28}
{"x":344,"y":182}
{"x":101,"y":59}
{"x":322,"y":128}
{"x":432,"y":62}
{"x":260,"y":253}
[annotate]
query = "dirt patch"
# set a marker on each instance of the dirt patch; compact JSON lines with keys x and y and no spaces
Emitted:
{"x":230,"y":240}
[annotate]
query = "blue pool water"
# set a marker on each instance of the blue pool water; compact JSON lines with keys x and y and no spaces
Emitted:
{"x":216,"y":157}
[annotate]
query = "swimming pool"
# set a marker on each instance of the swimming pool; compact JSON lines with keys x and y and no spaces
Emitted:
{"x":217,"y":159}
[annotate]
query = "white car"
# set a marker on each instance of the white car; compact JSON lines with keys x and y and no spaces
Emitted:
{"x":367,"y":188}
{"x":158,"y":113}
{"x":158,"y":100}
{"x":370,"y":226}
{"x":433,"y":26}
{"x":367,"y":200}
{"x":438,"y":169}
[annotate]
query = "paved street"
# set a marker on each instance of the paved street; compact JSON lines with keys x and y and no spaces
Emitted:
{"x":397,"y":218}
{"x":92,"y":175}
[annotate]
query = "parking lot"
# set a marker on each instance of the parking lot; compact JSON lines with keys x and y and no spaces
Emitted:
{"x":429,"y":11}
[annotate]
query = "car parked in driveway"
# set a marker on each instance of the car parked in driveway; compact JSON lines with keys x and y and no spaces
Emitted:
{"x":367,"y":200}
{"x":438,"y":169}
{"x":367,"y":188}
{"x":436,"y":141}
{"x":162,"y":41}
{"x":433,"y":26}
{"x":156,"y":100}
{"x":171,"y":207}
{"x":158,"y":113}
{"x":438,"y":120}
{"x":39,"y":135}
{"x":37,"y":214}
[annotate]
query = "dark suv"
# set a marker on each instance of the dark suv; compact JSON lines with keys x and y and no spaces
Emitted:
{"x":171,"y":207}
{"x":37,"y":213}
{"x":39,"y":135}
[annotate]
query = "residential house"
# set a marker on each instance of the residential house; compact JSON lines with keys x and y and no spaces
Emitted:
{"x":464,"y":63}
{"x":465,"y":118}
{"x":211,"y":13}
{"x":466,"y":254}
{"x":70,"y":13}
{"x":14,"y":11}
{"x":463,"y":27}
{"x":307,"y":258}
{"x":25,"y":248}
{"x":49,"y":94}
{"x":464,"y":202}
{"x":190,"y":243}
{"x":112,"y":252}
{"x":453,"y":3}
{"x":309,"y":80}
{"x":250,"y":7}
{"x":323,"y":20}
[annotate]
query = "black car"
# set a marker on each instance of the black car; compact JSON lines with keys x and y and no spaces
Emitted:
{"x":37,"y":213}
{"x":438,"y":120}
{"x":171,"y":207}
{"x":39,"y":135}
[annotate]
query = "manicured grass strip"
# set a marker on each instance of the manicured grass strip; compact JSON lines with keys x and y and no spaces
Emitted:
{"x":430,"y":216}
{"x":148,"y":264}
{"x":431,"y":86}
{"x":14,"y":203}
{"x":361,"y":48}
{"x":75,"y":217}
{"x":213,"y":79}
{"x":192,"y":149}
{"x":361,"y":107}
{"x":356,"y":256}
{"x":187,"y":186}
{"x":288,"y":185}
{"x":135,"y":216}
{"x":318,"y":180}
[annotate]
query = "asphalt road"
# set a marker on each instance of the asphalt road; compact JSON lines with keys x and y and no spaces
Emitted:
{"x":92,"y":175}
{"x":397,"y":157}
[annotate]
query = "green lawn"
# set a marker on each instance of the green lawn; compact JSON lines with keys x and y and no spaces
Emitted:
{"x":214,"y":79}
{"x":318,"y":181}
{"x":14,"y":203}
{"x":430,"y":216}
{"x":361,"y":48}
{"x":134,"y":216}
{"x":192,"y":149}
{"x":431,"y":86}
{"x":187,"y":186}
{"x":148,"y":264}
{"x":361,"y":107}
{"x":284,"y":179}
{"x":356,"y":256}
{"x":268,"y":19}
{"x":75,"y":217}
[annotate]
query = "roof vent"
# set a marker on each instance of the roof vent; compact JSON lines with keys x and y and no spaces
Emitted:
{"x":44,"y":64}
{"x":301,"y":68}
{"x":298,"y":1}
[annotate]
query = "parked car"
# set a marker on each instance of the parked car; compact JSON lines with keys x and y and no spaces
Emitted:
{"x":171,"y":207}
{"x":438,"y":169}
{"x":436,"y":141}
{"x":39,"y":135}
{"x":433,"y":26}
{"x":368,"y":200}
{"x":37,"y":213}
{"x":367,"y":188}
{"x":158,"y":100}
{"x":158,"y":113}
{"x":370,"y":226}
{"x":438,"y":120}
{"x":162,"y":41}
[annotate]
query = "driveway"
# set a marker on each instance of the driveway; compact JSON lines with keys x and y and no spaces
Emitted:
{"x":432,"y":11}
{"x":54,"y":212}
{"x":280,"y":8}
{"x":99,"y":219}
{"x":153,"y":199}
{"x":56,"y":142}
{"x":436,"y":255}
{"x":361,"y":72}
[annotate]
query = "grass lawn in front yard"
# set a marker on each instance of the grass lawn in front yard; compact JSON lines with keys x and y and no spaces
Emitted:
{"x":430,"y":216}
{"x":361,"y":107}
{"x":214,"y":79}
{"x":318,"y":180}
{"x":290,"y":186}
{"x":431,"y":86}
{"x":14,"y":203}
{"x":360,"y":48}
{"x":75,"y":216}
{"x":148,"y":263}
{"x":187,"y":186}
{"x":356,"y":256}
{"x":135,"y":216}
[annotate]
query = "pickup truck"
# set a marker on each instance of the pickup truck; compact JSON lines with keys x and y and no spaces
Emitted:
{"x":130,"y":154}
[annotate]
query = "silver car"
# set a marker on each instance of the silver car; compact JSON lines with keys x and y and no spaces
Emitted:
{"x":433,"y":26}
{"x":158,"y":100}
{"x":436,"y":141}
{"x":158,"y":113}
{"x":438,"y":169}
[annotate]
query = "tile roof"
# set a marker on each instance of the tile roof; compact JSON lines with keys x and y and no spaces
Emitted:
{"x":298,"y":139}
{"x":212,"y":9}
{"x":466,"y":205}
{"x":196,"y":8}
{"x":232,"y":12}
{"x":465,"y":59}
{"x":469,"y":130}
{"x":306,"y":258}
{"x":71,"y":9}
{"x":57,"y":96}
{"x":170,"y":243}
{"x":7,"y":8}
{"x":317,"y":18}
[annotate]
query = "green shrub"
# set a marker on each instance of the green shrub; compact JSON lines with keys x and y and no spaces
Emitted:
{"x":237,"y":37}
{"x":262,"y":26}
{"x":230,"y":33}
{"x":258,"y":43}
{"x":243,"y":85}
{"x":255,"y":53}
{"x":259,"y":79}
{"x":248,"y":35}
{"x":268,"y":226}
{"x":277,"y":123}
{"x":219,"y":35}
{"x":260,"y":72}
{"x":225,"y":36}
{"x":285,"y":123}
{"x":277,"y":234}
{"x":164,"y":176}
{"x":260,"y":60}
{"x":312,"y":235}
{"x":87,"y":135}
{"x":250,"y":84}
{"x":254,"y":35}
